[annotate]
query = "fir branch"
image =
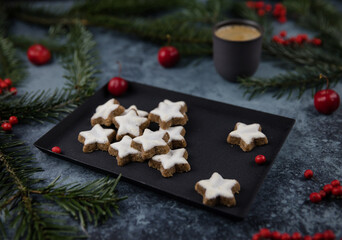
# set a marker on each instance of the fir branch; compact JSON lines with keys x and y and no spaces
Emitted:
{"x":10,"y":65}
{"x":319,"y":16}
{"x":93,"y":201}
{"x":16,"y":167}
{"x":306,"y":54}
{"x":18,"y":206}
{"x":40,"y":105}
{"x":79,"y":63}
{"x":300,"y":81}
{"x":32,"y":222}
{"x":90,"y":202}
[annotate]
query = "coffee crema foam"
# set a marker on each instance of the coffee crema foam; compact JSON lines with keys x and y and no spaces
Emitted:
{"x":236,"y":32}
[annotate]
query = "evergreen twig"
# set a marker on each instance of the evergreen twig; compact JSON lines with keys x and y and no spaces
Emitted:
{"x":10,"y":65}
{"x":22,"y":205}
{"x":79,"y":64}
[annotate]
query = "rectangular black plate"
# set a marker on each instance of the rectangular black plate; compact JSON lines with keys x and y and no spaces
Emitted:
{"x":206,"y":132}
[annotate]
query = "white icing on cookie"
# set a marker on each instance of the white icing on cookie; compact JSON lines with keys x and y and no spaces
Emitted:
{"x":129,"y":123}
{"x":172,"y":158}
{"x":104,"y":110}
{"x":141,"y":113}
{"x":124,"y":147}
{"x":174,"y":133}
{"x":247,"y":132}
{"x":150,"y":139}
{"x":167,"y":110}
{"x":96,"y":135}
{"x":216,"y":186}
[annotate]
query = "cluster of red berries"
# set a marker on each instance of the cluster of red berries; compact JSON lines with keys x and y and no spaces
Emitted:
{"x":333,"y":189}
{"x":7,"y":125}
{"x":279,"y":10}
{"x":297,"y":40}
{"x":265,"y":233}
{"x":6,"y":85}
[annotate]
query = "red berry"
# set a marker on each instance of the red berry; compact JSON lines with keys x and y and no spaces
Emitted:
{"x":283,"y":33}
{"x":38,"y":54}
{"x":56,"y":149}
{"x":326,"y":101}
{"x":316,"y":41}
{"x":13,"y":90}
{"x":259,"y":4}
{"x":322,"y":193}
{"x":13,"y":120}
{"x":282,"y":19}
{"x":327,"y":188}
{"x":268,"y":7}
{"x":337,"y":191}
{"x":8,"y":81}
{"x":276,"y":235}
{"x":261,"y":12}
{"x":265,"y":233}
{"x":318,"y":236}
{"x":307,"y":237}
{"x":0,"y":91}
{"x":278,"y":6}
{"x":285,"y":236}
{"x":329,"y":235}
{"x":286,"y":42}
{"x":296,"y":236}
{"x":168,"y":56}
{"x":304,"y":37}
{"x":282,"y":12}
{"x":276,"y":12}
{"x":256,"y":236}
{"x":335,"y":183}
{"x":3,"y":85}
{"x":299,"y":39}
{"x":6,"y":126}
{"x":276,"y":39}
{"x":315,"y":197}
{"x":308,"y":174}
{"x":117,"y":86}
{"x":260,"y":159}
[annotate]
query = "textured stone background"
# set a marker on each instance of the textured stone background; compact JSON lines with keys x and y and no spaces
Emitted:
{"x":282,"y":202}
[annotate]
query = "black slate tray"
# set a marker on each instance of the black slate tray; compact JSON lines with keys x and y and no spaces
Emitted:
{"x":206,"y":132}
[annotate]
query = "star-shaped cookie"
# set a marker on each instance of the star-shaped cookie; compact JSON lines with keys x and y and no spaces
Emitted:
{"x":123,"y":151}
{"x":96,"y":138}
{"x":151,"y":143}
{"x":247,"y":136}
{"x":176,"y":134}
{"x":130,"y":124}
{"x":171,"y":162}
{"x":217,"y":190}
{"x":105,"y":112}
{"x":169,"y":113}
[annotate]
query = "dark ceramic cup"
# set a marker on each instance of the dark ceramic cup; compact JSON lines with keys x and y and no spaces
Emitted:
{"x":236,"y":58}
